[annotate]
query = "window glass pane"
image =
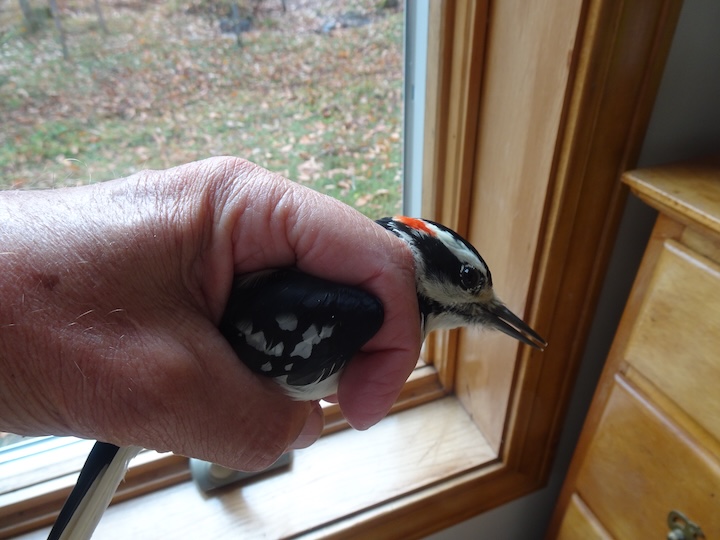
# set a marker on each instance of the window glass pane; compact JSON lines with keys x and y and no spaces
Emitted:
{"x":312,"y":89}
{"x":10,"y":439}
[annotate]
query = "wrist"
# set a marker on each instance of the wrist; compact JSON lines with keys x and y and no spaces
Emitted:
{"x":26,"y":403}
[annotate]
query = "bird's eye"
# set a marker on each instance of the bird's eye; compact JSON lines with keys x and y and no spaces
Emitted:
{"x":470,"y":277}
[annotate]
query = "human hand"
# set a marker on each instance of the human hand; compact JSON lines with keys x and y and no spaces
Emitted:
{"x":111,"y":294}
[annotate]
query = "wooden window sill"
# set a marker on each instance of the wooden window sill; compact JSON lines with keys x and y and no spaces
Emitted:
{"x":340,"y":485}
{"x":33,"y":489}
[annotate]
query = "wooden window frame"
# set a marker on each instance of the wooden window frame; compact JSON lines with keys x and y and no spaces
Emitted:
{"x":533,"y":112}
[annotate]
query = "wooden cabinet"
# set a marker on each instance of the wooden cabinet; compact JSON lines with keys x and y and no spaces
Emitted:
{"x":651,"y":443}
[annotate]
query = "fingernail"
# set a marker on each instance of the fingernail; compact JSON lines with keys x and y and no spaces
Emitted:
{"x":312,"y":430}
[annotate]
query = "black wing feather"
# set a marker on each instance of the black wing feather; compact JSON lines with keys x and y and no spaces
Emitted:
{"x":346,"y":317}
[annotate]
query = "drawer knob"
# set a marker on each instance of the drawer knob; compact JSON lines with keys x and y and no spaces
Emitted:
{"x":681,"y":528}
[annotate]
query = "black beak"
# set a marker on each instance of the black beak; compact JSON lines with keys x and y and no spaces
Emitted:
{"x":506,"y":321}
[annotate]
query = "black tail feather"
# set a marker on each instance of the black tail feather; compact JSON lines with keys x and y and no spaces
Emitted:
{"x":98,"y":460}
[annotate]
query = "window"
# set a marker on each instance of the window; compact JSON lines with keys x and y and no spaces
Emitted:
{"x":312,"y":91}
{"x":92,"y":92}
{"x":531,"y":114}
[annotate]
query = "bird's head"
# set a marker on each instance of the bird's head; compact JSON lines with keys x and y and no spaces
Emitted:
{"x":454,"y":283}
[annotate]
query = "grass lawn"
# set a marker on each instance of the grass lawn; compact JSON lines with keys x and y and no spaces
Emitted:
{"x":164,"y":87}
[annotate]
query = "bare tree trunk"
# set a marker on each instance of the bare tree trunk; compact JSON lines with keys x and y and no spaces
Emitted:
{"x":26,"y":11}
{"x":30,"y":18}
{"x":100,"y":17}
{"x":58,"y":26}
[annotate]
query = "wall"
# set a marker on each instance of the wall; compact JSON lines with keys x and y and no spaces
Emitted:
{"x":685,"y":123}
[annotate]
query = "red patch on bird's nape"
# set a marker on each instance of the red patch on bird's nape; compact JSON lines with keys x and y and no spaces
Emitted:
{"x":415,"y":223}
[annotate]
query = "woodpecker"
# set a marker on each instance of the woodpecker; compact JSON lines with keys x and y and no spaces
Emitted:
{"x":301,"y":330}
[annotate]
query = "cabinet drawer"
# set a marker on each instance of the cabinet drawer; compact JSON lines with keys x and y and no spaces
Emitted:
{"x":639,"y":466}
{"x":675,"y":341}
{"x":578,"y":522}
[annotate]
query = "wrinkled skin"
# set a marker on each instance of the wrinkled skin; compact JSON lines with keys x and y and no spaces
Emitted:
{"x":110,"y":294}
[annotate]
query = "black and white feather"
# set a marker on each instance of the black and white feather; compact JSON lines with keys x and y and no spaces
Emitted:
{"x":299,"y":329}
